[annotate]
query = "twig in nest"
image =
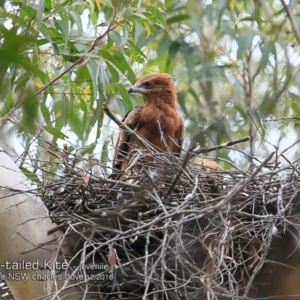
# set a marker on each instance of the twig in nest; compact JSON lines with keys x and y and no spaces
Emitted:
{"x":40,"y":245}
{"x":57,"y":228}
{"x":185,"y":161}
{"x":230,"y":196}
{"x":261,"y":261}
{"x":100,"y":179}
{"x":239,"y":187}
{"x":225,"y":145}
{"x":191,"y":153}
{"x":150,"y":177}
{"x":84,"y":200}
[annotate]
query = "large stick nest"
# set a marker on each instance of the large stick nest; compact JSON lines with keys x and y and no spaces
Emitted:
{"x":169,"y":230}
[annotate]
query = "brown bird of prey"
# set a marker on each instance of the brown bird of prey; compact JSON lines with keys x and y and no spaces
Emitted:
{"x":157,"y":121}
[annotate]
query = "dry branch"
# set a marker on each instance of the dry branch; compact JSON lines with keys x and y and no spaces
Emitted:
{"x":222,"y":146}
{"x":292,"y":20}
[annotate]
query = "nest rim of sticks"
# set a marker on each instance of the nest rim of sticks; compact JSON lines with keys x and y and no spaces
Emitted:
{"x":210,"y":232}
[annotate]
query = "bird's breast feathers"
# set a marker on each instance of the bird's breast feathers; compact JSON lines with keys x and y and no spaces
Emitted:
{"x":167,"y":120}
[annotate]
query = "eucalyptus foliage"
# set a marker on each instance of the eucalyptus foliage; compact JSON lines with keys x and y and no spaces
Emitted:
{"x":235,"y":64}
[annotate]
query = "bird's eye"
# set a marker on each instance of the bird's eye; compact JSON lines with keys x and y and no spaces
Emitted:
{"x":147,"y":84}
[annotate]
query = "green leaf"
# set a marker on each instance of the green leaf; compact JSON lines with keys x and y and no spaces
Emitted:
{"x":244,"y":41}
{"x":113,"y":72}
{"x":63,"y":26}
{"x":29,"y":113}
{"x":75,"y":123}
{"x":26,"y":10}
{"x":9,"y":103}
{"x":178,"y":18}
{"x":123,"y":65}
{"x":137,"y":31}
{"x":55,"y":49}
{"x":123,"y":106}
{"x":228,"y":30}
{"x":117,"y":59}
{"x":93,"y":74}
{"x":84,"y":111}
{"x":160,"y":17}
{"x":139,"y":55}
{"x":96,"y":115}
{"x":127,"y":13}
{"x":30,"y":175}
{"x":56,"y":133}
{"x":125,"y":35}
{"x":173,"y":49}
{"x":93,"y":18}
{"x":40,"y":11}
{"x":46,"y":114}
{"x":125,"y":96}
{"x":116,"y":37}
{"x":107,"y":3}
{"x":103,"y":78}
{"x":196,"y":23}
{"x":48,"y":4}
{"x":21,"y":82}
{"x":267,"y":49}
{"x":61,"y":109}
{"x":77,"y":20}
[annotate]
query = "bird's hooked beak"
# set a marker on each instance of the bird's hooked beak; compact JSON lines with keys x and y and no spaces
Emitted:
{"x":137,"y":89}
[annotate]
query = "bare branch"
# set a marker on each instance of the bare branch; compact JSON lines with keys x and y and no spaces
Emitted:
{"x":222,"y":146}
{"x":292,"y":19}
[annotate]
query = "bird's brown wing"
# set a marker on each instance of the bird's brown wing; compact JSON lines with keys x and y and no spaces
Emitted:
{"x":131,"y":119}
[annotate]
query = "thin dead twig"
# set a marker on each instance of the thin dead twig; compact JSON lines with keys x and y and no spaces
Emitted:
{"x":222,"y":146}
{"x":184,"y":164}
{"x":292,"y":19}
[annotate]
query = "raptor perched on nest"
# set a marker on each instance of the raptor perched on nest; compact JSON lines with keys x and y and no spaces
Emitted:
{"x":157,"y":121}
